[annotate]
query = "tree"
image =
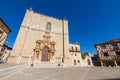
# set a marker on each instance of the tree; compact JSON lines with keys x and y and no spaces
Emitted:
{"x":83,"y":55}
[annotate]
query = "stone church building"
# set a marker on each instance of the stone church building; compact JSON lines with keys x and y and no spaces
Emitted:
{"x":42,"y":38}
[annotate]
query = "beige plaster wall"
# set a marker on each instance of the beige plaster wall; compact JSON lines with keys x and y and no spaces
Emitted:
{"x":75,"y":54}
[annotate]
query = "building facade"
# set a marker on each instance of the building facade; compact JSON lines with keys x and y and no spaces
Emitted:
{"x":75,"y":54}
{"x":44,"y":39}
{"x":4,"y":31}
{"x":88,"y":59}
{"x":6,"y":53}
{"x":41,"y":38}
{"x":109,"y":52}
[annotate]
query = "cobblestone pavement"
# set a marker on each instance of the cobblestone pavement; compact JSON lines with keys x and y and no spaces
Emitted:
{"x":73,"y":73}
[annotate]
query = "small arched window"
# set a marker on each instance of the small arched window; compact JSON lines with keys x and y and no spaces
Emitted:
{"x":48,"y":27}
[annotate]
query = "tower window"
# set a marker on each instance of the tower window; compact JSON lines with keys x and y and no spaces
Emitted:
{"x":72,"y":48}
{"x":48,"y":27}
{"x":76,"y":48}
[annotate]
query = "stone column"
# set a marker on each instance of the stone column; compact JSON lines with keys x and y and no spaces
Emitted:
{"x":101,"y":63}
{"x":19,"y":59}
{"x":115,"y":63}
{"x":30,"y":60}
{"x":40,"y":54}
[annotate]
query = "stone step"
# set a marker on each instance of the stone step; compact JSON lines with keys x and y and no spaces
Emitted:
{"x":4,"y":72}
{"x":44,"y":64}
{"x":49,"y":65}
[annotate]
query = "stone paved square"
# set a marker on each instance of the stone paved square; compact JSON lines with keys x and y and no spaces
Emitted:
{"x":71,"y":73}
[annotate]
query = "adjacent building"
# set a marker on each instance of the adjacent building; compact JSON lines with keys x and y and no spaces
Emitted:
{"x":4,"y":31}
{"x":87,"y":61}
{"x":6,"y":51}
{"x":96,"y":60}
{"x":75,"y":54}
{"x":109,"y":52}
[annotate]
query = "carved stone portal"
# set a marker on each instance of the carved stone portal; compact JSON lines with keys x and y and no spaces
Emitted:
{"x":44,"y":49}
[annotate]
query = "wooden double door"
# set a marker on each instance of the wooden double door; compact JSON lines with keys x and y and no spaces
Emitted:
{"x":45,"y":54}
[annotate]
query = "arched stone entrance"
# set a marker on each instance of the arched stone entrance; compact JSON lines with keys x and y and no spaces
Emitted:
{"x":88,"y":61}
{"x":75,"y":62}
{"x":45,"y":54}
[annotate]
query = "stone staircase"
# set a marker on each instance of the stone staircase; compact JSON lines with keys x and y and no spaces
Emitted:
{"x":7,"y":71}
{"x":48,"y":65}
{"x":44,"y":65}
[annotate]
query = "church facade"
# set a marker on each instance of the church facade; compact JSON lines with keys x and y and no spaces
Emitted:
{"x":42,"y":38}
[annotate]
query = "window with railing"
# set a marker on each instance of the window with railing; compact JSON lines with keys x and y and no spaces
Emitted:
{"x":115,"y":46}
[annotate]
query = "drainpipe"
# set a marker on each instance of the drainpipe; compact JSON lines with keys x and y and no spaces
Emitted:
{"x":63,"y":41}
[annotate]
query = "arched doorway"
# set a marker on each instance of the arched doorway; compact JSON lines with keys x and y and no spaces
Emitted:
{"x":44,"y":56}
{"x":88,"y":60}
{"x":75,"y":62}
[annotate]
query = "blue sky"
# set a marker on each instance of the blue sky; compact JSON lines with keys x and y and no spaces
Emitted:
{"x":90,"y":21}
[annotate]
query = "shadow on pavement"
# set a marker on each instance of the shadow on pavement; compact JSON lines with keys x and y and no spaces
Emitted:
{"x":111,"y":79}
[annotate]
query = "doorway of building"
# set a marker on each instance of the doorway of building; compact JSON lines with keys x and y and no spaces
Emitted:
{"x":88,"y":60}
{"x":75,"y":62}
{"x":44,"y":56}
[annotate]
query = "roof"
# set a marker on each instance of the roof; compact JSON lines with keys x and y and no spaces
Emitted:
{"x":73,"y":44}
{"x":5,"y":24}
{"x":76,"y":43}
{"x":115,"y":40}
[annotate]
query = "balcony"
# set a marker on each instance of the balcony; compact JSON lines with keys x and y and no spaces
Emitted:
{"x":70,"y":50}
{"x":116,"y":49}
{"x":110,"y":58}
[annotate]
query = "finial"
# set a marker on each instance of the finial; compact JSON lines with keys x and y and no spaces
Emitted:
{"x":65,"y":18}
{"x":76,"y":42}
{"x":31,"y":8}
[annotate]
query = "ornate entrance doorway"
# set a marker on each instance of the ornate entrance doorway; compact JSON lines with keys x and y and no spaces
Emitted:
{"x":45,"y":53}
{"x":45,"y":48}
